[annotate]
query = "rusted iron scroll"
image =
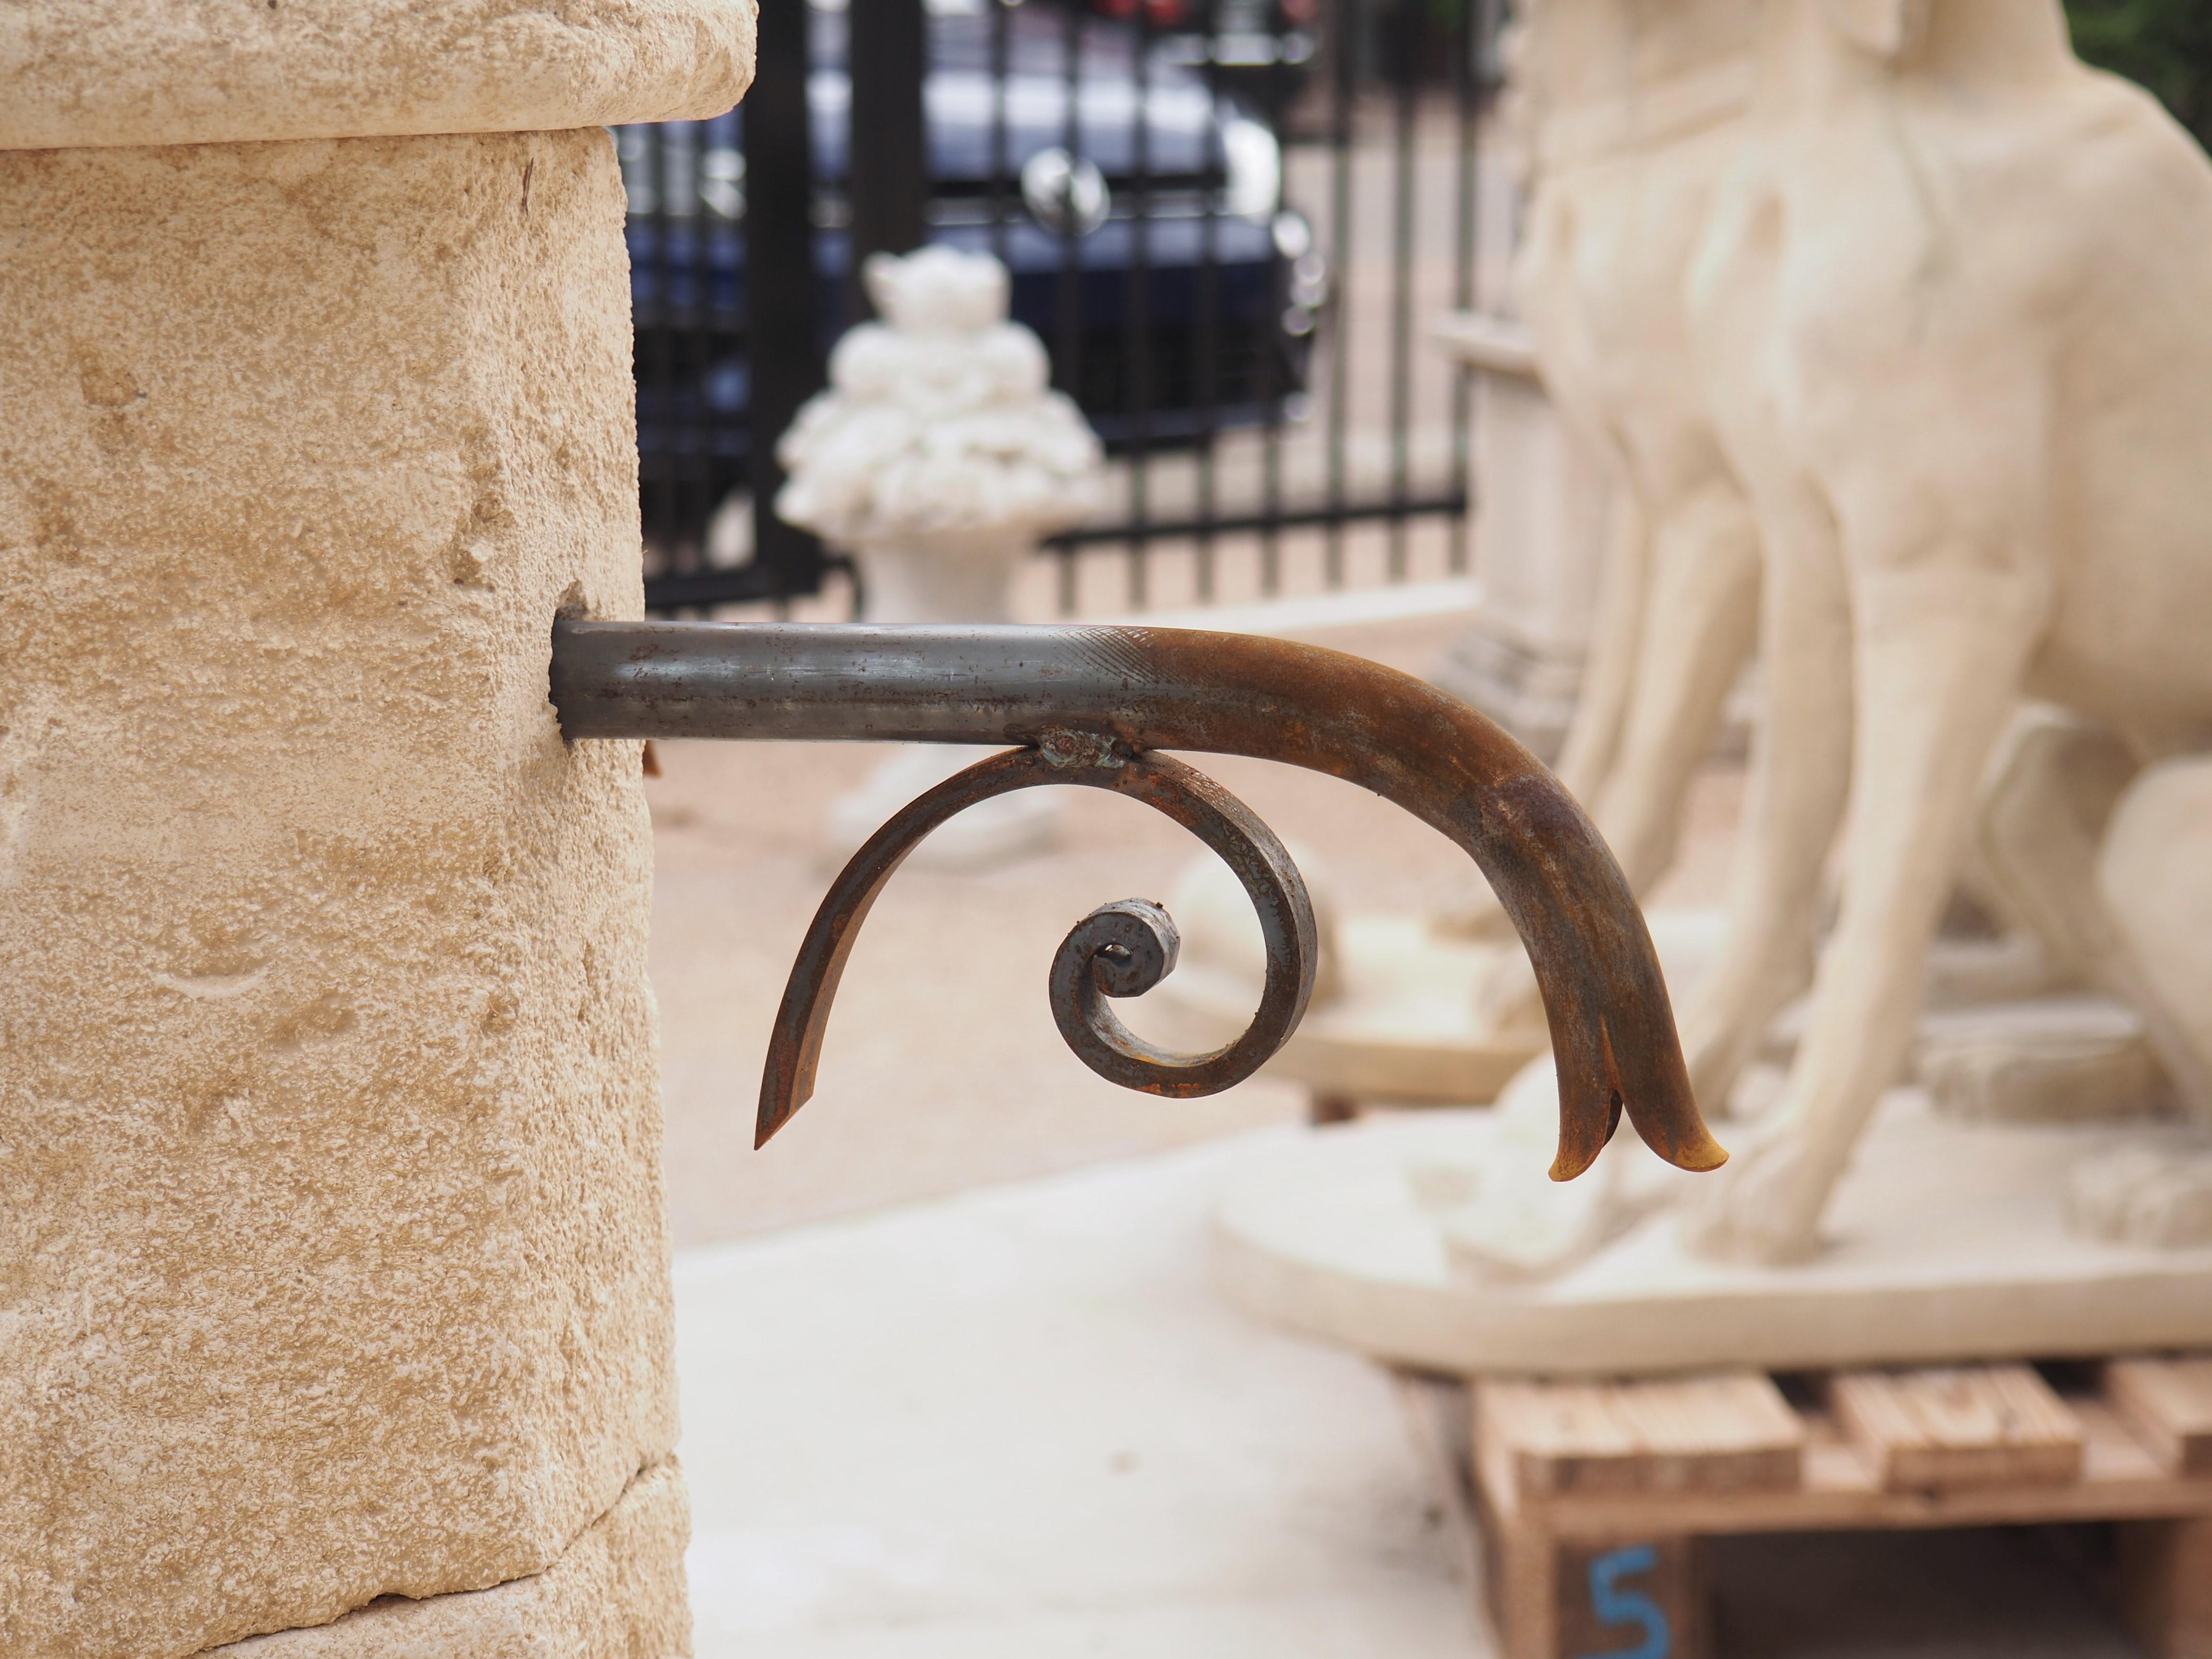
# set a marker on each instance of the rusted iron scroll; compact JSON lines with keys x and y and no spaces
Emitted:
{"x":1120,"y":950}
{"x":1082,"y":705}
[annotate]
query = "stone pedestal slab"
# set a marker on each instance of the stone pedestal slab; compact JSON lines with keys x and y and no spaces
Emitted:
{"x":93,"y":72}
{"x":1947,"y":1241}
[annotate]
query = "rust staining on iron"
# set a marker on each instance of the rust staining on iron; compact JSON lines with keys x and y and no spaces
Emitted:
{"x":1061,"y":748}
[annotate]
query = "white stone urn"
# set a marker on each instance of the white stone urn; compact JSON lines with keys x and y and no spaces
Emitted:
{"x":940,"y":456}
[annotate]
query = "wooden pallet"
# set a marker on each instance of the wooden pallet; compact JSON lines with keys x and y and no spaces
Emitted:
{"x":1594,"y":1499}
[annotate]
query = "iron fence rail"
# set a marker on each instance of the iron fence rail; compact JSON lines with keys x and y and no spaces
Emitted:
{"x":1218,"y":217}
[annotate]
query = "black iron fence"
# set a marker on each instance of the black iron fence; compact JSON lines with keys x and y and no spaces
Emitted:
{"x":1228,"y":220}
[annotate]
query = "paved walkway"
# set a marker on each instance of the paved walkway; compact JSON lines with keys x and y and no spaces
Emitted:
{"x":1018,"y":1424}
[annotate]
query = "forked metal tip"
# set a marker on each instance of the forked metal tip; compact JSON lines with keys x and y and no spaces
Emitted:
{"x":1675,"y":1131}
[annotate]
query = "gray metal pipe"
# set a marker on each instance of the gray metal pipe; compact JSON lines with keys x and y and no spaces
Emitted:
{"x":922,"y":684}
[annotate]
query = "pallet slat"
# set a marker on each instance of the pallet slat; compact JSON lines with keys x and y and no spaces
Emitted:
{"x":1943,"y":1428}
{"x":1557,"y":1436}
{"x":1727,"y":1432}
{"x":2169,"y":1403}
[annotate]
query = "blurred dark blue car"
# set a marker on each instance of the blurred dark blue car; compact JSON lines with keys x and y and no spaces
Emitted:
{"x":1232,"y":283}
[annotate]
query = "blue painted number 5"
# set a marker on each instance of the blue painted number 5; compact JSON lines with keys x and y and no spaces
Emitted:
{"x":1614,"y":1605}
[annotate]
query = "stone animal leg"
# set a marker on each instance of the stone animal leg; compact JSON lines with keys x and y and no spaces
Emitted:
{"x":1699,"y":621}
{"x":1593,"y":741}
{"x":1698,"y":627}
{"x":2153,"y":893}
{"x":1801,"y":771}
{"x":1941,"y":640}
{"x":2045,"y":801}
{"x":2154,"y":875}
{"x":1593,"y":738}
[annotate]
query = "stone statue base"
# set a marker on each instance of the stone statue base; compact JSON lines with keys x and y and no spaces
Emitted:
{"x":1947,"y":1240}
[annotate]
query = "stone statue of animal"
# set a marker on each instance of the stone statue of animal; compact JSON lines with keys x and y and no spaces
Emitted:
{"x":1950,"y":312}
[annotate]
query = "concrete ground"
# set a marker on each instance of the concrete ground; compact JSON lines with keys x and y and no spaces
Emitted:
{"x":1017,"y":1424}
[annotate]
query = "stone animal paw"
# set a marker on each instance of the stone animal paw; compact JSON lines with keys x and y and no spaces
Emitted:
{"x":1761,"y":1207}
{"x":2161,"y":1196}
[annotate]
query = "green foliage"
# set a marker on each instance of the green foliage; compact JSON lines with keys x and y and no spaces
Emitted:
{"x":2165,"y":45}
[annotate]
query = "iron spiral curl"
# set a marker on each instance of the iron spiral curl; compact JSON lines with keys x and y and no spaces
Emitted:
{"x":1120,"y":950}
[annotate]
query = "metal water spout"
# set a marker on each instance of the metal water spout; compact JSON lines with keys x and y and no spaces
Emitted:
{"x":1095,"y":706}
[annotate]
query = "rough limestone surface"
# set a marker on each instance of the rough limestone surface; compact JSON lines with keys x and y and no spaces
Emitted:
{"x":616,"y":1593}
{"x":333,"y":1253}
{"x":197,"y":71}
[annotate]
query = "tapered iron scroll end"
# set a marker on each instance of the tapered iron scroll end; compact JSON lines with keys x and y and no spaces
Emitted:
{"x":794,"y":1047}
{"x":1679,"y":1135}
{"x":1697,"y":1153}
{"x":1567,"y":1165}
{"x":1658,"y":1101}
{"x":1667,"y":1118}
{"x":776,"y":1110}
{"x":1585,"y":1128}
